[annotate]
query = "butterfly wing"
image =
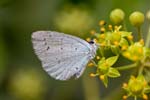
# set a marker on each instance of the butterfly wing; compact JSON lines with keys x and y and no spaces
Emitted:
{"x":66,"y":69}
{"x":62,"y":56}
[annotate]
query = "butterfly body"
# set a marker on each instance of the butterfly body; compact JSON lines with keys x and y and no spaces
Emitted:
{"x":62,"y":55}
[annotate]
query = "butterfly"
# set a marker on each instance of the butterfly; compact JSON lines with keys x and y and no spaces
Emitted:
{"x":62,"y":56}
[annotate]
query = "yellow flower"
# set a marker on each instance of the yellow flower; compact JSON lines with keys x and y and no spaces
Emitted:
{"x":130,"y":37}
{"x":102,"y":22}
{"x":135,"y":52}
{"x":102,"y":77}
{"x":92,"y":75}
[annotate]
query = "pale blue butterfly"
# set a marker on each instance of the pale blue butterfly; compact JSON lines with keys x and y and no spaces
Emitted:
{"x":62,"y":55}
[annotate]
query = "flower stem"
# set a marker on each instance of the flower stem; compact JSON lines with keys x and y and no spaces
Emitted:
{"x":124,"y":26}
{"x":141,"y":67}
{"x":127,"y":66}
{"x":139,"y":33}
{"x":148,"y":38}
{"x":141,"y":70}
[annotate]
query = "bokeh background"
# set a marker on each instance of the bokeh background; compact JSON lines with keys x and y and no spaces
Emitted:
{"x":21,"y":74}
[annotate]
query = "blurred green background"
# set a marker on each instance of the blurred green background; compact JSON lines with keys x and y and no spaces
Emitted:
{"x":21,"y":74}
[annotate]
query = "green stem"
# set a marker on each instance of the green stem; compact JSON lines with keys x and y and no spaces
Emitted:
{"x":148,"y":38}
{"x":127,"y":66}
{"x":139,"y":33}
{"x":124,"y":26}
{"x":141,"y":69}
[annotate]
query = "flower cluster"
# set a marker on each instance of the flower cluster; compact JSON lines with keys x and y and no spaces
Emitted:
{"x":137,"y":87}
{"x":116,"y":41}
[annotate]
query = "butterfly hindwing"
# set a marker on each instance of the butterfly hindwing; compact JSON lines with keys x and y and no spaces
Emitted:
{"x":73,"y":67}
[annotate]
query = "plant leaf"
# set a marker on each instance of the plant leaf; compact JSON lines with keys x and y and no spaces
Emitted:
{"x":113,"y":72}
{"x":105,"y":81}
{"x":125,"y":34}
{"x":101,"y":62}
{"x":111,"y":60}
{"x":123,"y":42}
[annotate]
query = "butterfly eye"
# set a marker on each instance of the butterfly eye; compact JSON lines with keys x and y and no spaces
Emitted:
{"x":91,"y":42}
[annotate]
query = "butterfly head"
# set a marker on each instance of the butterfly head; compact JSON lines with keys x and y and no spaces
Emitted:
{"x":94,"y":47}
{"x":91,"y":42}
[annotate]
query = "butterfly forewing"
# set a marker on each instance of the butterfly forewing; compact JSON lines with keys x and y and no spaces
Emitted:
{"x":62,"y":56}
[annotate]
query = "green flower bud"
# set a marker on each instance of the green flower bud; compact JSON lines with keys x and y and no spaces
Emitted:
{"x":136,"y":18}
{"x":117,"y":16}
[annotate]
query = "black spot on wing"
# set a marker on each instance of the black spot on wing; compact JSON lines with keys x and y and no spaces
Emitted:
{"x":48,"y":48}
{"x":76,"y":68}
{"x":45,"y":43}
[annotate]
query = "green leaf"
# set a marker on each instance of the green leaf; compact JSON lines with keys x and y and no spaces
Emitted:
{"x":105,"y":81}
{"x":101,"y":61}
{"x":111,"y":60}
{"x":113,"y":72}
{"x":125,"y":34}
{"x":123,"y":42}
{"x":103,"y":66}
